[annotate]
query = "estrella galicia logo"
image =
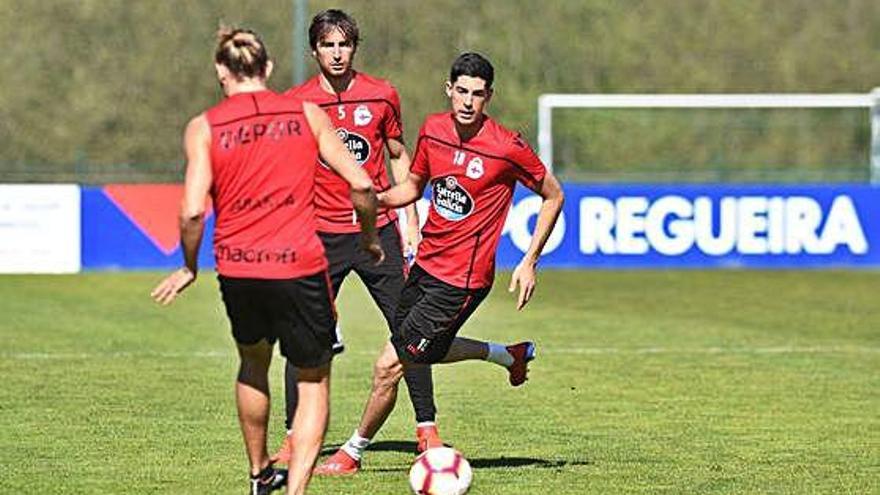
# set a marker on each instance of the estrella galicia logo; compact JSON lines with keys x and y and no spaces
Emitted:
{"x":451,"y":200}
{"x":356,"y":144}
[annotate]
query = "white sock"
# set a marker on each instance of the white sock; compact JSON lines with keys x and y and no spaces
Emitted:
{"x":356,"y":445}
{"x":424,"y":424}
{"x":498,"y":354}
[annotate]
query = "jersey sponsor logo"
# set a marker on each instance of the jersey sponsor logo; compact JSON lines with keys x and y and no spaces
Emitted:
{"x":362,"y":116}
{"x":474,"y":168}
{"x":266,"y":202}
{"x":254,"y":256}
{"x":250,"y":133}
{"x":356,"y":144}
{"x":450,"y":199}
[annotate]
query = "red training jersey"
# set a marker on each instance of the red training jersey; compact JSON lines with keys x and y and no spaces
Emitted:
{"x":263,"y":158}
{"x":365,"y":116}
{"x":471,"y":191}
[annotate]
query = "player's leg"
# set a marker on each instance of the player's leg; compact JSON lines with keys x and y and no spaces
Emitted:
{"x":386,"y":379}
{"x":339,"y":249}
{"x":251,"y":329}
{"x":385,"y":283}
{"x":310,"y":425}
{"x":252,"y":400}
{"x":513,"y":357}
{"x":307,"y":336}
{"x":426,"y":331}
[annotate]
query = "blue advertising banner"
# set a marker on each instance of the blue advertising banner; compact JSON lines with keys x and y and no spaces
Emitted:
{"x":704,"y":226}
{"x":614,"y":226}
{"x":135,"y":227}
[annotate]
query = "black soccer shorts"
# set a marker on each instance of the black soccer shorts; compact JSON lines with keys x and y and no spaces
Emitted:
{"x":297,"y":312}
{"x":429,"y":316}
{"x":383,"y":281}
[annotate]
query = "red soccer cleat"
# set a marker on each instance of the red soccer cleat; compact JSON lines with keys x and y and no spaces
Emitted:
{"x":338,"y":464}
{"x":522,"y":353}
{"x":428,"y":438}
{"x":283,"y":454}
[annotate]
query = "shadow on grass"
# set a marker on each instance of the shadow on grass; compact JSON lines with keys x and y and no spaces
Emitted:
{"x":385,"y":446}
{"x":502,"y":462}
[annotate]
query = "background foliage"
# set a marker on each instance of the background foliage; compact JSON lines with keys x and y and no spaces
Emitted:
{"x":101,"y":89}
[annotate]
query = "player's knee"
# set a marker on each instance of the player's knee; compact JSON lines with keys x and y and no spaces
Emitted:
{"x":387,"y":372}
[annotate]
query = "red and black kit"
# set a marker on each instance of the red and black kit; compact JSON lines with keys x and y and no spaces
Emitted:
{"x":472,"y":185}
{"x":263,"y":160}
{"x":365,"y":116}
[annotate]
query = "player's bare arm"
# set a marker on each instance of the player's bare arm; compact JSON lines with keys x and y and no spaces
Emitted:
{"x":404,"y":193}
{"x":197,"y":146}
{"x":400,"y":165}
{"x":524,"y":273}
{"x":337,"y":156}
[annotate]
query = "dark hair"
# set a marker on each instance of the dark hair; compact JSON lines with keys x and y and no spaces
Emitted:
{"x":473,"y":65}
{"x":330,"y":19}
{"x":242,"y":52}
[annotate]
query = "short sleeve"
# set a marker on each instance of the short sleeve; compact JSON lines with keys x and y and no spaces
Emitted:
{"x":528,"y":168}
{"x":419,"y":164}
{"x":392,"y":124}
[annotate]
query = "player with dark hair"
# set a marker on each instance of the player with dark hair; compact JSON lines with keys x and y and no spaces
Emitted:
{"x":472,"y":164}
{"x":366,"y":112}
{"x":255,"y":154}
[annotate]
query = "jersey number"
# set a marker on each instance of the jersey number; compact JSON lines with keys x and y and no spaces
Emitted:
{"x":340,"y":112}
{"x":458,"y":158}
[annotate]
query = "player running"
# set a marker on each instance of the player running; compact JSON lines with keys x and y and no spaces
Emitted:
{"x":256,"y":154}
{"x":472,"y":164}
{"x":365,"y":111}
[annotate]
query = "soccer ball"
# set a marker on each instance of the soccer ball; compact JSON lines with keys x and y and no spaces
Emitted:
{"x":440,"y":471}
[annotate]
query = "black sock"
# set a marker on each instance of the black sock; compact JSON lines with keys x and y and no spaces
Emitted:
{"x":421,"y":392}
{"x":291,"y":394}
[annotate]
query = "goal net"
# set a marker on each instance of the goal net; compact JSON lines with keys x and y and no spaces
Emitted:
{"x":711,"y":137}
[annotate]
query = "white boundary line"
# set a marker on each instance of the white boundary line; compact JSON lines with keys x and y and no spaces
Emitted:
{"x":842,"y":349}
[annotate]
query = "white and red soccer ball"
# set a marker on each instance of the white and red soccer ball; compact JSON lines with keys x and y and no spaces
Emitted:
{"x":440,"y":471}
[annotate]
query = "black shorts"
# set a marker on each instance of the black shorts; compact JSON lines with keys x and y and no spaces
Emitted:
{"x":429,"y":316}
{"x":299,"y":312}
{"x":383,"y":281}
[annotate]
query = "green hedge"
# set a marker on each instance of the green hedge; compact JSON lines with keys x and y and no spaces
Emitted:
{"x":92,"y":84}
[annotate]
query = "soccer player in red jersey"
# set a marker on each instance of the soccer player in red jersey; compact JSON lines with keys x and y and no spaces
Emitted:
{"x":472,"y":164}
{"x":365,"y":111}
{"x":255,"y":154}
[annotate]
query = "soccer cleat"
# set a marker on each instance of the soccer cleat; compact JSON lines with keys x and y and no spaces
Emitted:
{"x":522,"y":353}
{"x":428,"y":437}
{"x":282,"y":456}
{"x":267,"y":481}
{"x":338,"y":464}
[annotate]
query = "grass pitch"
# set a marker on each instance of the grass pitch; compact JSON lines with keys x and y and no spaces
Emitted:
{"x":645,"y":382}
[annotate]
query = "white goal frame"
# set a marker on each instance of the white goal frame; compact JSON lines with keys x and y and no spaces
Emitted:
{"x":547,"y":102}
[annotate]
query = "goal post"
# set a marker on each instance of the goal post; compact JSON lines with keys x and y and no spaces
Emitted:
{"x":871,"y":101}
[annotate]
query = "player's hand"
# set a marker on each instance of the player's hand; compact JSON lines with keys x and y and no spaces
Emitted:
{"x":411,"y":240}
{"x":524,"y":276}
{"x":374,"y":249}
{"x":173,"y":285}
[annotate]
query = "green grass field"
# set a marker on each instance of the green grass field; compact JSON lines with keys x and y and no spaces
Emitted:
{"x":645,"y":382}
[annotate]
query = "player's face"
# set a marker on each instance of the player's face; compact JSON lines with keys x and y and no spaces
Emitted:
{"x":334,"y":53}
{"x":468,"y":97}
